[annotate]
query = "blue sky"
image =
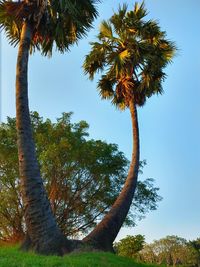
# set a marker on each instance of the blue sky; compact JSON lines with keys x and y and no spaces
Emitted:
{"x":169,"y":124}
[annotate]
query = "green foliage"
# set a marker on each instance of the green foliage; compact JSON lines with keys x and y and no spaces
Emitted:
{"x":54,"y":23}
{"x":130,"y":246}
{"x":82,"y":176}
{"x":171,"y":250}
{"x":195,"y":245}
{"x":12,"y":257}
{"x":131,"y":53}
{"x":146,"y":197}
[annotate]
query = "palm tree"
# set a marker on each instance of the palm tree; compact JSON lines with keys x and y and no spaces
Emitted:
{"x":131,"y":54}
{"x":40,"y":25}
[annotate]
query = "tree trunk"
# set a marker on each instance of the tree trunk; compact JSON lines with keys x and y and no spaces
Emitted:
{"x":43,"y":234}
{"x":104,"y":234}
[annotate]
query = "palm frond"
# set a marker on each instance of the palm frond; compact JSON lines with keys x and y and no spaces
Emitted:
{"x":105,"y":30}
{"x":96,"y":60}
{"x":55,"y":23}
{"x":150,"y":30}
{"x":134,"y":55}
{"x":10,"y":22}
{"x":167,"y":49}
{"x":139,"y":10}
{"x":118,"y":18}
{"x":14,"y":9}
{"x":118,"y":61}
{"x":124,"y":55}
{"x":118,"y":102}
{"x":105,"y":87}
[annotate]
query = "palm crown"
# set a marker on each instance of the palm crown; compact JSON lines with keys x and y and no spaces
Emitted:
{"x":53,"y":22}
{"x":132,"y":53}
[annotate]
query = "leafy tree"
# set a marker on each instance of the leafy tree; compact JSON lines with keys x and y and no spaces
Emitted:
{"x":195,"y":244}
{"x":39,"y":24}
{"x":147,"y":254}
{"x":171,"y":250}
{"x":81,"y":177}
{"x":130,"y":246}
{"x":131,"y":53}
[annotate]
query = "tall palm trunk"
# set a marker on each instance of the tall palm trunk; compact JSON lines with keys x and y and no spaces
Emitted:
{"x":44,"y":235}
{"x":105,"y":232}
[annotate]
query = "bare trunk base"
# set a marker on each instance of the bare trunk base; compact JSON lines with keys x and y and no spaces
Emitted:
{"x":63,"y":246}
{"x":102,"y":245}
{"x":59,"y":246}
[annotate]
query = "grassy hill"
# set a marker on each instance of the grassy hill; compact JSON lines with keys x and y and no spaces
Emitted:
{"x":12,"y":257}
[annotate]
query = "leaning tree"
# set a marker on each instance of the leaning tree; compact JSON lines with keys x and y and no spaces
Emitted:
{"x":131,"y":53}
{"x":40,"y":25}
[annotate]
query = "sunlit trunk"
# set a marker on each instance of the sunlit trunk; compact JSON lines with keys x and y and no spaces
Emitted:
{"x":44,"y":235}
{"x":105,"y":232}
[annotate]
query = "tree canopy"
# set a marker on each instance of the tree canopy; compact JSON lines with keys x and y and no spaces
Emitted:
{"x":171,"y":250}
{"x":82,"y":177}
{"x":129,"y":246}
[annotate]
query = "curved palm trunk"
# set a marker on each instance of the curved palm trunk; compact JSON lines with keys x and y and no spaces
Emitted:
{"x":104,"y":234}
{"x":42,"y":231}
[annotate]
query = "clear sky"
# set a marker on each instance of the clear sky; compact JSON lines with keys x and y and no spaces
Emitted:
{"x":169,"y":124}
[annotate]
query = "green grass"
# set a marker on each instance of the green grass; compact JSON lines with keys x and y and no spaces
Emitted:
{"x":12,"y":257}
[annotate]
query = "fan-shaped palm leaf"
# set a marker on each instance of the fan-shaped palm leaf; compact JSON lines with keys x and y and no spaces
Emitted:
{"x":55,"y":23}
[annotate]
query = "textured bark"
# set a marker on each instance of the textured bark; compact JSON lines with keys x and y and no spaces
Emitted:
{"x":43,"y":234}
{"x":105,"y":232}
